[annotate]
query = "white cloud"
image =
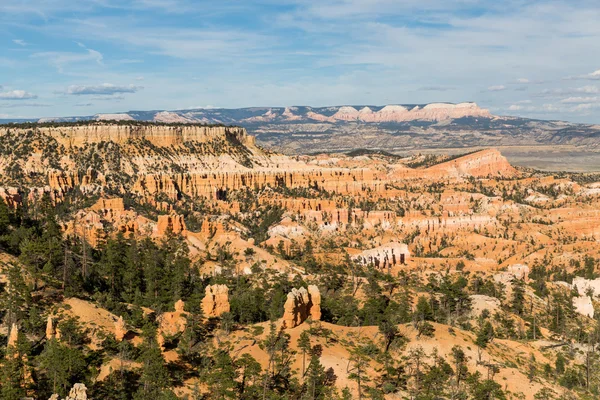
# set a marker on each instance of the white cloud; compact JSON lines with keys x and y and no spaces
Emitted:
{"x":577,"y":100}
{"x":106,"y":89}
{"x":17,"y":95}
{"x":496,"y":88}
{"x":515,"y":107}
{"x":593,"y":76}
{"x":20,"y":42}
{"x":585,"y":107}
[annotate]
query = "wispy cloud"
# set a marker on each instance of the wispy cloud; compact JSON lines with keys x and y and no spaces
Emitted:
{"x":578,"y":100}
{"x":496,"y":88}
{"x":24,"y":105}
{"x":437,"y":88}
{"x":20,"y":42}
{"x":62,"y":59}
{"x":106,"y":89}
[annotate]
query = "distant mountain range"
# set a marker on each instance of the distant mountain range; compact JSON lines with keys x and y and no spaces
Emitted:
{"x":393,"y":128}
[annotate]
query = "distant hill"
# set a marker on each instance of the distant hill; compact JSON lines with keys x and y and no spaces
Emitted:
{"x":391,"y":128}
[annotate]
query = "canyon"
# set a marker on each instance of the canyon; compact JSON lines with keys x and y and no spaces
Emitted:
{"x":189,"y":244}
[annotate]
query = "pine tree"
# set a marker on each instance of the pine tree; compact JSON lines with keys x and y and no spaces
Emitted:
{"x":518,"y":298}
{"x":155,"y":376}
{"x":359,"y":359}
{"x":11,"y":376}
{"x":223,"y":375}
{"x":304,"y":345}
{"x":62,"y":365}
{"x":316,"y":377}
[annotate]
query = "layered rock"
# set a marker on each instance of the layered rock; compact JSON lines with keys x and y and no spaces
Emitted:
{"x":215,"y":184}
{"x":11,"y":197}
{"x":300,"y":304}
{"x":216,"y":301}
{"x":106,"y":206}
{"x":398,"y":113}
{"x":485,"y":163}
{"x":158,"y":135}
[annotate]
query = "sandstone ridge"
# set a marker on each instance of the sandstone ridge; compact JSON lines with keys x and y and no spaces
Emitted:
{"x":78,"y":135}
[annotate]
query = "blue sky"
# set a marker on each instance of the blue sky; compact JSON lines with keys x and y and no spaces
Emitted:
{"x":538,"y":59}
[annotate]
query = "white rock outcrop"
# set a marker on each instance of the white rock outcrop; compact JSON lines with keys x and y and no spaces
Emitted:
{"x":387,"y":255}
{"x":584,"y":285}
{"x":583,"y":305}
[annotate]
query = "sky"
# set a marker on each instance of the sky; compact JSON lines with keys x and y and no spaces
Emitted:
{"x":537,"y":59}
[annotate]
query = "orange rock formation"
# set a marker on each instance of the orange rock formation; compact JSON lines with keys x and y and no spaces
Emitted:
{"x":300,"y":304}
{"x":171,"y":323}
{"x":216,"y":301}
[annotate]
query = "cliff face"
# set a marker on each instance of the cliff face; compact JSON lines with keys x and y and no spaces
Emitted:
{"x":396,"y":113}
{"x":195,"y":161}
{"x":214,"y":184}
{"x":480,"y":164}
{"x":158,"y":135}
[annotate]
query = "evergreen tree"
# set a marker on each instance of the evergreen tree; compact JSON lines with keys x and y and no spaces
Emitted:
{"x":62,"y":366}
{"x":223,"y":376}
{"x":11,"y":376}
{"x":518,"y":297}
{"x":304,"y":345}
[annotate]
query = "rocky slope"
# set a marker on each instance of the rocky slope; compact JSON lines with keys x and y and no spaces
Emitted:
{"x":187,"y":160}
